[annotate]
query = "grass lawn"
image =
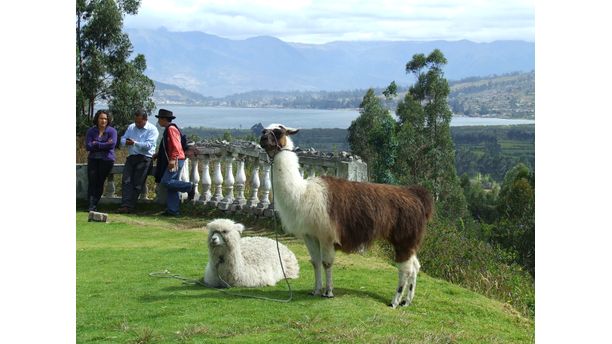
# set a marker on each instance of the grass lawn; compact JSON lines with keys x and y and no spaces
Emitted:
{"x":118,"y":302}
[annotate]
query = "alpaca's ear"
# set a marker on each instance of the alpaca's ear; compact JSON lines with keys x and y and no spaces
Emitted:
{"x":239,"y":227}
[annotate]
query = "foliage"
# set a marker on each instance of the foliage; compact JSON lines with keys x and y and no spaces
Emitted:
{"x":515,"y":230}
{"x":493,"y":150}
{"x":372,"y":137}
{"x":103,"y":69}
{"x":426,"y":153}
{"x":131,"y":90}
{"x":481,"y":194}
{"x":117,"y":301}
{"x":449,"y":254}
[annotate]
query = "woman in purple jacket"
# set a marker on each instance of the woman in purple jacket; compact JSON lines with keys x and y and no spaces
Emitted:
{"x":100,"y":142}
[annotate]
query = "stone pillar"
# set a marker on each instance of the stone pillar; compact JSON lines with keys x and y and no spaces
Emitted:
{"x":240,"y":200}
{"x":206,"y":181}
{"x":217,"y":181}
{"x":109,"y":189}
{"x":184,"y":177}
{"x":195,"y":177}
{"x":228,"y":184}
{"x":254,"y":200}
{"x":144,"y":193}
{"x":266,"y":187}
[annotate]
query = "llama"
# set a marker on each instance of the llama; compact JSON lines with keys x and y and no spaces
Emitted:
{"x":244,"y":262}
{"x":332,"y":214}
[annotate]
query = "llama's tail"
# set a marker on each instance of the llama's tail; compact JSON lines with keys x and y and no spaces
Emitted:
{"x":426,"y":199}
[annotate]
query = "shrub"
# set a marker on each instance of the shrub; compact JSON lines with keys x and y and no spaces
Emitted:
{"x":448,"y":254}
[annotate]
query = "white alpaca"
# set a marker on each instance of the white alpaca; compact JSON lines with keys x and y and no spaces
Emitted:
{"x":244,"y":262}
{"x":331,"y":213}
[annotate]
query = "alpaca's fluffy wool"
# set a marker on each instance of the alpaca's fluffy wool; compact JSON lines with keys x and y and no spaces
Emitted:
{"x":244,"y":262}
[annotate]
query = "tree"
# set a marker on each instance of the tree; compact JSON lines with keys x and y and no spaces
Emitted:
{"x":372,"y":136}
{"x":104,"y":71}
{"x":515,"y":230}
{"x":426,"y":153}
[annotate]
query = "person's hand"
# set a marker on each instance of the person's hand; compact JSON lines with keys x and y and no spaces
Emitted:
{"x":154,"y":156}
{"x":129,"y":142}
{"x":171,"y":165}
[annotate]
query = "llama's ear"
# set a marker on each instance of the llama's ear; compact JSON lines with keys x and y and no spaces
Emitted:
{"x":239,"y":227}
{"x":292,"y":131}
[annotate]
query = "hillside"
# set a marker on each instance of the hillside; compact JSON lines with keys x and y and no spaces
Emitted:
{"x":117,"y":301}
{"x":172,"y":94}
{"x":505,"y":96}
{"x":215,"y":66}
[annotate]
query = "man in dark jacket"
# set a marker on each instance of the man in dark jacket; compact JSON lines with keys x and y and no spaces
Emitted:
{"x":170,"y":161}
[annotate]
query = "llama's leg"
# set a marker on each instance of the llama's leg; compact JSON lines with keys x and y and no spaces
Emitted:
{"x":314,"y":249}
{"x":416,"y":266}
{"x":328,"y":254}
{"x":402,"y":273}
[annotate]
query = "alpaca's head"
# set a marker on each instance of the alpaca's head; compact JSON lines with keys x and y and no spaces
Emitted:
{"x":276,"y":138}
{"x":223,"y":233}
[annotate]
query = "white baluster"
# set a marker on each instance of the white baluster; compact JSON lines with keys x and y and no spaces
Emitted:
{"x":217,"y":181}
{"x":110,"y":186}
{"x":144,"y":192}
{"x":240,"y":200}
{"x":312,"y":171}
{"x":254,"y":200}
{"x":195,"y":176}
{"x":206,"y":181}
{"x":184,"y":176}
{"x":228,"y":184}
{"x":161,"y":194}
{"x":266,"y":187}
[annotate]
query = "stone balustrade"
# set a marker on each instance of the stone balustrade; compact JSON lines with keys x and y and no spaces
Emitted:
{"x":234,"y":176}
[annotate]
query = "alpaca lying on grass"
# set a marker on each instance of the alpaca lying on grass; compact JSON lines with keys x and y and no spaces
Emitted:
{"x":244,"y":262}
{"x":331,"y":214}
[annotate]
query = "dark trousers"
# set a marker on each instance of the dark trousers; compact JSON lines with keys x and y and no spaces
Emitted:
{"x":135,"y":174}
{"x":97,"y":171}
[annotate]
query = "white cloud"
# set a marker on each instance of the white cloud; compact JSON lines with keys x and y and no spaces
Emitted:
{"x":323,"y":21}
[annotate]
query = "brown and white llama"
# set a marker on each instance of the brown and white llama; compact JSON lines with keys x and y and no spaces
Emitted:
{"x":332,"y":214}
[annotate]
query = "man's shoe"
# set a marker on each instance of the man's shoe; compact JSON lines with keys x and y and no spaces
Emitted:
{"x":191,"y":193}
{"x":167,"y":213}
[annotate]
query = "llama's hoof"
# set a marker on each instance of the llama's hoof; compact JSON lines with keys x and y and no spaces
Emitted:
{"x":315,"y":293}
{"x":392,"y":305}
{"x":328,"y":294}
{"x":404,"y":303}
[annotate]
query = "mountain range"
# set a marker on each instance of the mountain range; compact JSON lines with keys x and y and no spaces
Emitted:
{"x":214,"y":66}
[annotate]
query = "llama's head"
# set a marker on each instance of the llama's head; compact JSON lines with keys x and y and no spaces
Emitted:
{"x":276,"y":138}
{"x":223,"y":233}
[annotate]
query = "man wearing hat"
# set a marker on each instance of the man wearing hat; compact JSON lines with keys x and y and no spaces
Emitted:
{"x":170,"y":161}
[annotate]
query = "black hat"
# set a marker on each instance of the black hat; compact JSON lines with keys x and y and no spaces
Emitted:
{"x":163,"y":113}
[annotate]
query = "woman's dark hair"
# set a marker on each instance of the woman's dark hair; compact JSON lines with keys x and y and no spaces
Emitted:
{"x":108,"y":116}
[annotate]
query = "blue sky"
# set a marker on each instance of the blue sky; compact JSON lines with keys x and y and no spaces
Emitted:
{"x":324,"y":21}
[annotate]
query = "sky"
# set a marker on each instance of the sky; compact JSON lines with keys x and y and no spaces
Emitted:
{"x":322,"y":21}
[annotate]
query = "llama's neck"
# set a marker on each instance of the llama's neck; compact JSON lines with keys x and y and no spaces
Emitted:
{"x":287,"y":182}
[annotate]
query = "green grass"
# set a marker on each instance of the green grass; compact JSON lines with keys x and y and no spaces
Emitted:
{"x":118,"y":302}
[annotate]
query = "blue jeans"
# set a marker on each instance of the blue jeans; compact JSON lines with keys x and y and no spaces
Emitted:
{"x":172,"y":183}
{"x":134,"y":177}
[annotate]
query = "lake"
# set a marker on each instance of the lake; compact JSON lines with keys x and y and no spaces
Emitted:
{"x":244,"y":118}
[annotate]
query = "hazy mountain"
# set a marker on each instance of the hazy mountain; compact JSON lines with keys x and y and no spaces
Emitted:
{"x":215,"y":66}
